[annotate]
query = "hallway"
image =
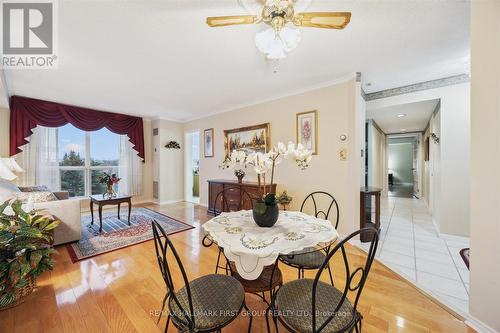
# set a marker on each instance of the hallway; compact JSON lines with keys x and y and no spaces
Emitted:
{"x":411,"y":246}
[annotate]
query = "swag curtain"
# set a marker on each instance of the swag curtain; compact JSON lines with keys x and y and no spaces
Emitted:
{"x":28,"y":113}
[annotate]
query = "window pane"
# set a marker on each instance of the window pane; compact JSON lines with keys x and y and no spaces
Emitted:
{"x":71,"y":146}
{"x":104,"y":148}
{"x":98,"y":188}
{"x":73,"y":181}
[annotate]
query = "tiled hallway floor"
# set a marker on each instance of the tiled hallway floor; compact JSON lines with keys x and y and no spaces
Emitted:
{"x":410,"y":245}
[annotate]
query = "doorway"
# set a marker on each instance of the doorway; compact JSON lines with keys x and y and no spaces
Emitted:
{"x":403,"y":165}
{"x":192,"y":166}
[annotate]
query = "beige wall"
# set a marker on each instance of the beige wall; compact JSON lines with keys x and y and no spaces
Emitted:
{"x":485,"y":159}
{"x":337,"y":114}
{"x":4,"y":132}
{"x":168,"y":164}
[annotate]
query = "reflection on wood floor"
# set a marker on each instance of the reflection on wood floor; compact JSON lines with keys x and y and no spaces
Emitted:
{"x":120,"y":291}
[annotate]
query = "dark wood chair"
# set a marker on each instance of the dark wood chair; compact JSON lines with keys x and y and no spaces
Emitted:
{"x":231,"y":199}
{"x":319,"y":204}
{"x":312,"y":306}
{"x":206,"y":304}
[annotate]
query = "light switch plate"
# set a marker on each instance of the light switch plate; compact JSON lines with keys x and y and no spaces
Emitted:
{"x":343,"y":154}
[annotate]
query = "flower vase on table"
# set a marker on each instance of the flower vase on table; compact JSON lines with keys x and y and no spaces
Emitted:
{"x":109,"y":180}
{"x":265,"y":209}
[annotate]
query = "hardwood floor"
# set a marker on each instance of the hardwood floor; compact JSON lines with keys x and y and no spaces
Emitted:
{"x":121,"y":291}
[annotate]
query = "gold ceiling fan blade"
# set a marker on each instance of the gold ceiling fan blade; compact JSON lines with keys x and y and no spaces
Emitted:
{"x":222,"y":21}
{"x":326,"y":20}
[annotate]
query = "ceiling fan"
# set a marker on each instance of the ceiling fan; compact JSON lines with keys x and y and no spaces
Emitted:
{"x":277,"y":14}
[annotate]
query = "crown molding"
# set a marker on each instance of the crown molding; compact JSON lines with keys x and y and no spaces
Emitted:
{"x":339,"y":80}
{"x":426,"y":85}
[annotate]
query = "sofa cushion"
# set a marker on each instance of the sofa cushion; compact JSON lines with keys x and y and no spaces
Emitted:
{"x":35,"y":197}
{"x":7,"y":190}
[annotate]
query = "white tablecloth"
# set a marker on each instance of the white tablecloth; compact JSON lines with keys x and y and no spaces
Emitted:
{"x":252,"y":247}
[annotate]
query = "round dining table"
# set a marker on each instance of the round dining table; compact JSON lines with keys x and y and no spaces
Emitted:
{"x":252,"y":248}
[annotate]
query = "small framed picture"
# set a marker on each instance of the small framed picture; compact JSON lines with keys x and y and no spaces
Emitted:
{"x":208,"y":142}
{"x":307,"y":130}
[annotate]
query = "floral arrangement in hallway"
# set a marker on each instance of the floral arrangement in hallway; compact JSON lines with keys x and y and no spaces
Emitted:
{"x":109,"y":180}
{"x":25,"y":251}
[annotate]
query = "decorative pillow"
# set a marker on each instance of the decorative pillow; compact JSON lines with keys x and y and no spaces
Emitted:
{"x":7,"y":190}
{"x":36,"y":188}
{"x":35,"y":197}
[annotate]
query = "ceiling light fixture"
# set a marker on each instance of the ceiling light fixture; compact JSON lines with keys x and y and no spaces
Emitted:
{"x":279,"y":39}
{"x":403,"y":130}
{"x":401,"y":115}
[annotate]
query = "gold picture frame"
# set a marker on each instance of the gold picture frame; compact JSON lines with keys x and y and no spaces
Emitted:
{"x":307,"y":130}
{"x":208,"y":142}
{"x":250,"y":139}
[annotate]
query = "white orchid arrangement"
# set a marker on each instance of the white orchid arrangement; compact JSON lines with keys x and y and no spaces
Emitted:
{"x":262,"y":163}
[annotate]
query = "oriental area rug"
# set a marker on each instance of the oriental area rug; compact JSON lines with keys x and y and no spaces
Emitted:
{"x":117,"y":234}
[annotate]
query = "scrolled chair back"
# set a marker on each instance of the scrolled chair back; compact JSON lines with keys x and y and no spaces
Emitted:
{"x":320,"y":204}
{"x":232,"y":199}
{"x":162,"y":246}
{"x":355,"y":278}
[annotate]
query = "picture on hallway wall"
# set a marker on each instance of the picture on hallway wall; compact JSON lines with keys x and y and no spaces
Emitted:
{"x":307,"y":130}
{"x":208,"y":142}
{"x":249,"y":139}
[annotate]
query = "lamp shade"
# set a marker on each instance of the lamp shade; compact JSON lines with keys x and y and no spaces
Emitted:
{"x":5,"y":172}
{"x":11,"y":163}
{"x":277,"y":46}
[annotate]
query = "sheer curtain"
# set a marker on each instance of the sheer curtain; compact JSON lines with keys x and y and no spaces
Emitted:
{"x":130,"y":169}
{"x":39,"y":159}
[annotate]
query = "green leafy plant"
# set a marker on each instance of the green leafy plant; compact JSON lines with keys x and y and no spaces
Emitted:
{"x":25,"y":248}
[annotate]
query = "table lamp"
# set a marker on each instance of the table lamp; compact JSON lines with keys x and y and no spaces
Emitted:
{"x":5,"y":172}
{"x":11,"y":163}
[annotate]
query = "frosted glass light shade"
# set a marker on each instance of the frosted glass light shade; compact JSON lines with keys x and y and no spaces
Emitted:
{"x":5,"y":172}
{"x":277,"y":46}
{"x":11,"y":163}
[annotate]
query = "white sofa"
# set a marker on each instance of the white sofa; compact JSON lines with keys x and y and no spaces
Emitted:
{"x":64,"y":209}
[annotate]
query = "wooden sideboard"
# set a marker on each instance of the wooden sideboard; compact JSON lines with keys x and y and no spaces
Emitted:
{"x":215,"y":186}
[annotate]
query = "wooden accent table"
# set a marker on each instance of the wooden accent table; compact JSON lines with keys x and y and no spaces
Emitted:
{"x":366,"y":209}
{"x":101,"y":201}
{"x":217,"y":185}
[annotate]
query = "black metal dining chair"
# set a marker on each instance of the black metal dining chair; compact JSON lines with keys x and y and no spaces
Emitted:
{"x":230,"y":199}
{"x":318,"y":204}
{"x":206,"y":304}
{"x":313,"y":306}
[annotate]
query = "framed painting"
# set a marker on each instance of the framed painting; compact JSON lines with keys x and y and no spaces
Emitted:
{"x":208,"y":142}
{"x":249,"y":139}
{"x":307,"y":130}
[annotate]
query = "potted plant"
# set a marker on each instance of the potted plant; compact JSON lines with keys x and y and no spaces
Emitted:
{"x":109,"y":180}
{"x":284,"y":199}
{"x":265,"y":209}
{"x":25,"y":251}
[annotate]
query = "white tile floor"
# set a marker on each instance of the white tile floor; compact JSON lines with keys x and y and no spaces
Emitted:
{"x":410,"y":245}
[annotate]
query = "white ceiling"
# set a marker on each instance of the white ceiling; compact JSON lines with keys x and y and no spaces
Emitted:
{"x":416,"y":119}
{"x":159,"y":58}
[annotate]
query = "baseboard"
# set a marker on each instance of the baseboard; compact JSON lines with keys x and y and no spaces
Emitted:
{"x":478,"y":325}
{"x":168,"y":202}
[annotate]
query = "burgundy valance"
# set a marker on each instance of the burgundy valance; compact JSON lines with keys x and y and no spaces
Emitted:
{"x":28,"y":113}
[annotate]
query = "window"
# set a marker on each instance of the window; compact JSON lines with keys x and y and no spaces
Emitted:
{"x":84,"y":156}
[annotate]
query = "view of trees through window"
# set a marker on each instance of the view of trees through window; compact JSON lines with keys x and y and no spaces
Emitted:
{"x":84,"y":156}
